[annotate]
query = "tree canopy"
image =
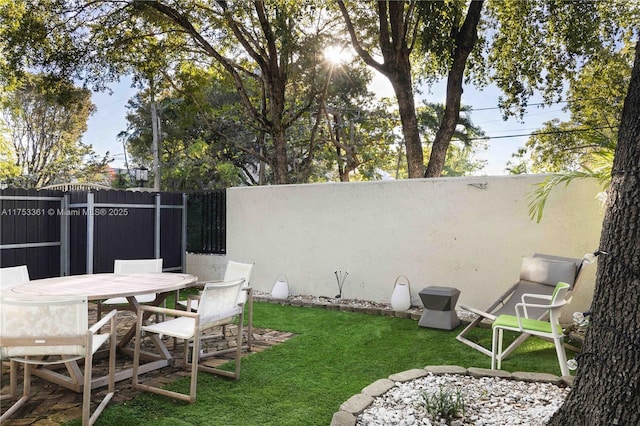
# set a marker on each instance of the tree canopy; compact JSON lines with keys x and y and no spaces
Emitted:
{"x":44,"y":118}
{"x":582,"y":147}
{"x":271,"y":53}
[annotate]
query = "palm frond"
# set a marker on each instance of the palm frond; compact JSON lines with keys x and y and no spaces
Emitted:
{"x":603,"y":162}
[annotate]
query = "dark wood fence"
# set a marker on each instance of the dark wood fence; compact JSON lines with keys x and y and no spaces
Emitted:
{"x":61,"y":233}
{"x":31,"y":231}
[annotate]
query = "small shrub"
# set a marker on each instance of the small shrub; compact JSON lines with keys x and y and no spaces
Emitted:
{"x":444,"y":404}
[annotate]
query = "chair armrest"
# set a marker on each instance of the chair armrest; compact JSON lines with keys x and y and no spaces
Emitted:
{"x":249,"y":301}
{"x":166,"y":311}
{"x":203,"y":283}
{"x":536,"y":305}
{"x":105,"y":319}
{"x":249,"y":291}
{"x":190,"y":299}
{"x":532,"y":296}
{"x":535,"y":296}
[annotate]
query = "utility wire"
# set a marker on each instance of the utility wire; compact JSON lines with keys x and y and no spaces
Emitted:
{"x":538,"y":104}
{"x":553,"y":132}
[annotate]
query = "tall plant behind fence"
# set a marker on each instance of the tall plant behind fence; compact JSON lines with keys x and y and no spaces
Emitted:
{"x":206,"y":223}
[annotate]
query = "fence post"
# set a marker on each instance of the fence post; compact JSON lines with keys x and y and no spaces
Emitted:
{"x":64,"y":235}
{"x":156,"y":242}
{"x":184,"y":233}
{"x":90,"y":231}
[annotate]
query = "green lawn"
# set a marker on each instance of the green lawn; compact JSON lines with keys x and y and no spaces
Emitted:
{"x":304,"y":380}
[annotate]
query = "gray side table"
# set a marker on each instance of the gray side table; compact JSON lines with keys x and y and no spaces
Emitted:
{"x":439,"y":304}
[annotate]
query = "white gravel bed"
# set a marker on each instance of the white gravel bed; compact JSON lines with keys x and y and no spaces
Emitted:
{"x":488,"y":401}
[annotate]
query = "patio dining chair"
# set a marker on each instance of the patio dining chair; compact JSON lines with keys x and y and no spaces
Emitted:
{"x":234,"y":271}
{"x":218,"y":303}
{"x":133,"y":266}
{"x":9,"y":277}
{"x":13,"y":275}
{"x":48,"y":331}
{"x":539,"y":274}
{"x":522,"y":323}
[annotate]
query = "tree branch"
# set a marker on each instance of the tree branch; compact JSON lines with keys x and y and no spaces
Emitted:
{"x":398,"y":29}
{"x":258,"y":56}
{"x":182,"y":21}
{"x":366,"y":57}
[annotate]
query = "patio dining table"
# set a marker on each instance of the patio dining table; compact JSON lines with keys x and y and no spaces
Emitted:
{"x":105,"y":286}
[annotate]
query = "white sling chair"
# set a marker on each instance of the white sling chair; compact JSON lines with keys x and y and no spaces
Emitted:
{"x":9,"y":277}
{"x":218,"y":303}
{"x":14,"y":275}
{"x":134,"y":266}
{"x":234,"y":271}
{"x":47,"y":331}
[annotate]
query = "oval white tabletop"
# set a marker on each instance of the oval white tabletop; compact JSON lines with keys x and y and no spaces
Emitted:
{"x":103,"y":286}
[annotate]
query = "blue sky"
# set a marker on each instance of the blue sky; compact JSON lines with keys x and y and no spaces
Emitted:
{"x":110,"y":119}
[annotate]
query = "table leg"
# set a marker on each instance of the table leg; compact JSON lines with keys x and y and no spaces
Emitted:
{"x":157,"y":342}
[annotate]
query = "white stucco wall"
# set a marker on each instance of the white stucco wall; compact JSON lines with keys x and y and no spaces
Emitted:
{"x":444,"y":232}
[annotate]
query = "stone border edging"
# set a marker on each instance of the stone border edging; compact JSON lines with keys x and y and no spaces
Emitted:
{"x":415,"y":313}
{"x":355,"y":405}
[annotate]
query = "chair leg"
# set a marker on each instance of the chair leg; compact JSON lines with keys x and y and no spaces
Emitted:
{"x":239,"y":346}
{"x":13,"y":381}
{"x":238,"y":356}
{"x":562,"y":357}
{"x":195,"y":357}
{"x":136,"y":353}
{"x":250,"y":323}
{"x":86,"y":391}
{"x":494,"y":348}
{"x":25,"y":394}
{"x":13,"y":378}
{"x":185,"y":356}
{"x":88,"y":418}
{"x":148,"y":388}
{"x":500,"y":353}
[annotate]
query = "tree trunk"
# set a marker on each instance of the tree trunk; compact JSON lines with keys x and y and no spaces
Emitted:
{"x":401,"y":82}
{"x":344,"y":177}
{"x":275,"y":82}
{"x":393,"y":39}
{"x":281,"y":163}
{"x":606,"y":389}
{"x":465,"y":39}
